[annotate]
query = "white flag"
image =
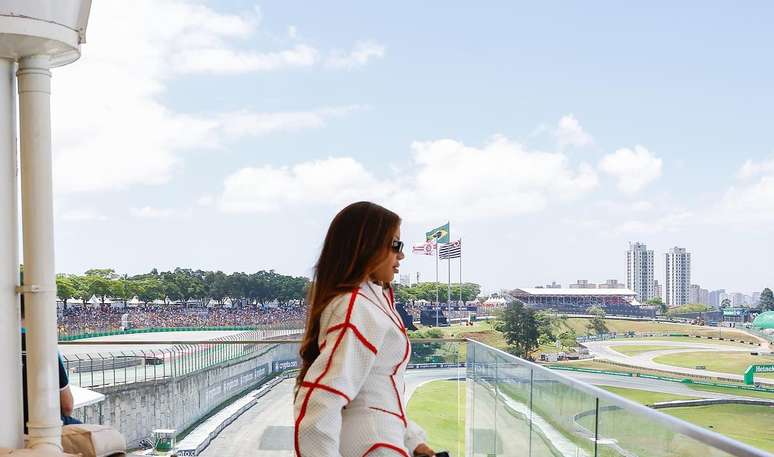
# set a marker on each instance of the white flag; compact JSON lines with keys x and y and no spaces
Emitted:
{"x":426,"y":248}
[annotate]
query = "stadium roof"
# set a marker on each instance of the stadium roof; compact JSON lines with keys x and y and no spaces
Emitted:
{"x":536,"y":291}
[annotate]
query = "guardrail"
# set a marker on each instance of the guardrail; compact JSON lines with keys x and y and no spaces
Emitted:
{"x":133,"y":331}
{"x":521,"y":408}
{"x":166,"y":359}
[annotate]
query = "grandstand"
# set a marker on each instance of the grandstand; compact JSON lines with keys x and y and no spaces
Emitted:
{"x":615,"y":302}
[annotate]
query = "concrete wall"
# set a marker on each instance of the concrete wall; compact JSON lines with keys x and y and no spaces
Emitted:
{"x":178,"y":403}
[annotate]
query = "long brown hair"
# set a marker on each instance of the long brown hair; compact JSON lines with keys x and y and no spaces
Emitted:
{"x":358,"y":239}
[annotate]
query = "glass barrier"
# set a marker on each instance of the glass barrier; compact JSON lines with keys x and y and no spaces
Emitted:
{"x":244,"y":383}
{"x":518,"y":408}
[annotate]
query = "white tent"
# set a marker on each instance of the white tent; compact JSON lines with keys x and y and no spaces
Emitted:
{"x":134,"y":302}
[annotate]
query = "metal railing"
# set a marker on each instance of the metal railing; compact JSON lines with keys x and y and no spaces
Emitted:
{"x":92,"y":366}
{"x":516,"y":407}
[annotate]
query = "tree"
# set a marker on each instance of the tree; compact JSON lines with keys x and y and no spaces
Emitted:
{"x":568,"y":339}
{"x":107,"y":273}
{"x":766,"y":301}
{"x":596,"y":324}
{"x":659,"y":304}
{"x":520,"y":329}
{"x":149,"y":289}
{"x":98,"y":285}
{"x":66,"y":288}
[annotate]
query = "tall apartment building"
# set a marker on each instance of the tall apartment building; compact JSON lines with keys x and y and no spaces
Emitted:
{"x":678,"y":276}
{"x":698,"y":295}
{"x":583,"y":284}
{"x":658,"y":290}
{"x":639,"y":271}
{"x":611,"y":284}
{"x":714,"y":298}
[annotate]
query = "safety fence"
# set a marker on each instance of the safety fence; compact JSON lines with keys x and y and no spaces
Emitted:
{"x":682,"y":380}
{"x":94,"y":369}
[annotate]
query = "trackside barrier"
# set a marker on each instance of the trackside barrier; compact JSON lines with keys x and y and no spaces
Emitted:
{"x":661,"y":378}
{"x":412,"y":366}
{"x":198,"y":440}
{"x":133,"y":331}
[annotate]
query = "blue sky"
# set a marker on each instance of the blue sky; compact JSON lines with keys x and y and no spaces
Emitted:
{"x":225,"y":135}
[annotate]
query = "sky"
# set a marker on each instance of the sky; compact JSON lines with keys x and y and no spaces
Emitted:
{"x":225,"y":135}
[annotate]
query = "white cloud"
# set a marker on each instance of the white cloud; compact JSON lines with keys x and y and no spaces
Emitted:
{"x":205,"y":200}
{"x":328,"y":181}
{"x":633,"y":168}
{"x":751,"y":202}
{"x":246,"y":123}
{"x":83,"y":215}
{"x":570,"y":133}
{"x":149,"y":212}
{"x":751,"y":168}
{"x":751,"y":199}
{"x":446,"y":178}
{"x":292,"y":32}
{"x":671,"y":222}
{"x":111,"y":129}
{"x":220,"y":60}
{"x":357,"y":57}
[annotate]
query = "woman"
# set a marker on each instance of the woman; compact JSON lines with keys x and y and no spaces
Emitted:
{"x":350,"y":392}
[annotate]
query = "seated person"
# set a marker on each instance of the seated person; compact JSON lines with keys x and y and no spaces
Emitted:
{"x":66,"y":402}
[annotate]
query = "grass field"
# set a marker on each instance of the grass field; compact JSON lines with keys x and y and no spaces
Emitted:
{"x":645,"y":397}
{"x":597,"y":365}
{"x":432,"y":407}
{"x":753,"y":425}
{"x":689,"y":339}
{"x":732,"y":391}
{"x":726,"y":362}
{"x":620,"y":326}
{"x":635,"y":349}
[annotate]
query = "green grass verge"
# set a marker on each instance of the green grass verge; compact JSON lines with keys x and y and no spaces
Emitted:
{"x":725,"y":362}
{"x":690,"y":339}
{"x":732,"y":391}
{"x":620,"y":326}
{"x":753,"y":425}
{"x":634,"y":349}
{"x":645,"y":397}
{"x":432,"y":407}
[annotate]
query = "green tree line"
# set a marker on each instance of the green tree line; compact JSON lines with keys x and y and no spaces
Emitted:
{"x":426,"y":291}
{"x":182,"y":284}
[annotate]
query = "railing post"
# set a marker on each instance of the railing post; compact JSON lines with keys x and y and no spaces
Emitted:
{"x":596,"y":426}
{"x":144,"y":366}
{"x":531,"y":384}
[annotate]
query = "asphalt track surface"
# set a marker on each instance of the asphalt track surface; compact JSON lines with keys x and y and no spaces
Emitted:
{"x":266,"y":429}
{"x":602,"y":349}
{"x":131,"y":339}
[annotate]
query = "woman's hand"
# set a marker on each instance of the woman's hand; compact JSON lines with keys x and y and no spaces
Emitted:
{"x":423,"y":450}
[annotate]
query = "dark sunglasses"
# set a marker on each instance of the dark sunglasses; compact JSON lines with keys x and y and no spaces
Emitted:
{"x":397,"y":246}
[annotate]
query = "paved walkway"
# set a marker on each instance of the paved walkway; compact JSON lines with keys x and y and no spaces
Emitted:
{"x":266,"y":429}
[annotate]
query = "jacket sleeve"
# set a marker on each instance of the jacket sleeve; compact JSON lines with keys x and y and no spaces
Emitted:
{"x":349,"y":339}
{"x":414,"y":436}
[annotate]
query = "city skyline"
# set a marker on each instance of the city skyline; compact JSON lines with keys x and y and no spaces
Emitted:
{"x":234,"y":151}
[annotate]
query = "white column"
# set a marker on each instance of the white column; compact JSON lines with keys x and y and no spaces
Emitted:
{"x":11,"y":426}
{"x":44,"y":425}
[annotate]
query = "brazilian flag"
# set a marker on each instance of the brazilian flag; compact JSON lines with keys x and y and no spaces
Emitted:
{"x":440,"y":234}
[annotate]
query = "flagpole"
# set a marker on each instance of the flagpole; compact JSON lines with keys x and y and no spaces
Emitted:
{"x":437,"y":304}
{"x":460,"y":270}
{"x":448,"y":289}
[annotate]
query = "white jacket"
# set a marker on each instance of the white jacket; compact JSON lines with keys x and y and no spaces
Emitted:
{"x":351,"y":402}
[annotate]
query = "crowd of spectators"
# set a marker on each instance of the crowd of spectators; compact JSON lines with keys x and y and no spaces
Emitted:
{"x":101,"y":319}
